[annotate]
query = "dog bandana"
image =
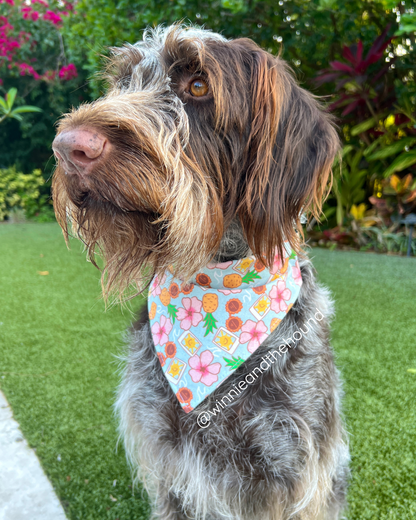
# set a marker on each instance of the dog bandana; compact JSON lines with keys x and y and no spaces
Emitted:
{"x":205,"y":329}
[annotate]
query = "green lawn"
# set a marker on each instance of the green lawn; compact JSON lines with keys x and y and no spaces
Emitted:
{"x":58,"y":371}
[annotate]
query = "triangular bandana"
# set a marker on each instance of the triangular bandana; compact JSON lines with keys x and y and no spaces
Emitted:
{"x":205,"y":329}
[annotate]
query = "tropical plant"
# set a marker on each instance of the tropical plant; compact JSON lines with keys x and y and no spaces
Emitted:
{"x":349,"y":182}
{"x":7,"y":110}
{"x":397,"y":198}
{"x":394,"y":150}
{"x":374,"y":123}
{"x":361,"y":91}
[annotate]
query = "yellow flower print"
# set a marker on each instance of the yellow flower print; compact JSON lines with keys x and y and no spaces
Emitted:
{"x":245,"y":263}
{"x":262,"y":305}
{"x":190,"y":343}
{"x":225,"y":340}
{"x":175,"y":369}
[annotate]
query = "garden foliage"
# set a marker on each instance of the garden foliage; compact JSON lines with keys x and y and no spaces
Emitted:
{"x":33,"y":60}
{"x":359,"y":55}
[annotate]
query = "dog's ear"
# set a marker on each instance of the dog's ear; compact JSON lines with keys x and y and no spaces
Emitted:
{"x":290,"y":151}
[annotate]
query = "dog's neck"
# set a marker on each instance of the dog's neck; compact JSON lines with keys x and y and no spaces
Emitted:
{"x":233,"y":245}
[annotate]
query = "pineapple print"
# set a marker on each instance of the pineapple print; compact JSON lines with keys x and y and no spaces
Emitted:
{"x":232,"y":281}
{"x":153,"y":309}
{"x":285,"y":266}
{"x":274,"y":324}
{"x":210,"y":305}
{"x":165,"y":299}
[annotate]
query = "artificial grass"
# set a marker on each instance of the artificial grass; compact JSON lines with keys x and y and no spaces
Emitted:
{"x":58,"y":371}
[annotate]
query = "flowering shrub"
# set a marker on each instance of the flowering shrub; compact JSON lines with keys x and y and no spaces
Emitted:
{"x":24,"y":50}
{"x":34,"y":59}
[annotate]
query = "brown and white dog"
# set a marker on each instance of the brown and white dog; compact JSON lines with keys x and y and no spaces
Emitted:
{"x":207,"y":149}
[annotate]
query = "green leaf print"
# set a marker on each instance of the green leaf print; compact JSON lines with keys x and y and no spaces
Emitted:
{"x":234,"y":363}
{"x":250,"y":276}
{"x":210,"y":323}
{"x":172,"y":311}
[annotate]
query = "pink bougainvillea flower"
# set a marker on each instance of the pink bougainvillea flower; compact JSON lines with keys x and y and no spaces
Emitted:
{"x":49,"y":75}
{"x":52,"y":17}
{"x":161,"y":330}
{"x":26,"y":69}
{"x":69,"y":5}
{"x":279,"y":295}
{"x":26,"y":12}
{"x":297,"y":276}
{"x":10,"y":2}
{"x":68,"y":72}
{"x":34,"y":15}
{"x":201,"y":369}
{"x":190,"y":315}
{"x":253,"y":332}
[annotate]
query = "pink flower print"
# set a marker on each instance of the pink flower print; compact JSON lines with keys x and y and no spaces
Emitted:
{"x":189,"y":315}
{"x":229,"y":291}
{"x":156,"y":288}
{"x":222,"y":265}
{"x":253,"y":332}
{"x":277,"y":264}
{"x":161,"y":330}
{"x":297,"y":276}
{"x":279,"y":295}
{"x":201,"y":369}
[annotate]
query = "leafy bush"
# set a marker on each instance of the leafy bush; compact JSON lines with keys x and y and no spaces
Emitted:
{"x":7,"y":110}
{"x":19,"y":191}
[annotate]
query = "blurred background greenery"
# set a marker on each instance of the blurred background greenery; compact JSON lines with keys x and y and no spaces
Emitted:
{"x":359,"y":54}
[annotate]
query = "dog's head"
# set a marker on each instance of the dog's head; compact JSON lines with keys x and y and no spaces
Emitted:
{"x":195,"y":131}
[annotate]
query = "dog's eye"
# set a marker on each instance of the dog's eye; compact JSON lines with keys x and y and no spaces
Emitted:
{"x":198,"y":87}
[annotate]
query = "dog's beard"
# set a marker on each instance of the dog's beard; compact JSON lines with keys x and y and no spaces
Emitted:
{"x":113,"y":211}
{"x":106,"y":221}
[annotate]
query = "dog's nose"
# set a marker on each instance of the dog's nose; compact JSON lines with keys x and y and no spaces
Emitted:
{"x":79,"y":149}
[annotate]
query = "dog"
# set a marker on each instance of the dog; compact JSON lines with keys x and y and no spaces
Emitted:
{"x":206,"y":151}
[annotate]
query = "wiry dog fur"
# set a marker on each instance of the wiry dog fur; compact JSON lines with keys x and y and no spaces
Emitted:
{"x":188,"y":180}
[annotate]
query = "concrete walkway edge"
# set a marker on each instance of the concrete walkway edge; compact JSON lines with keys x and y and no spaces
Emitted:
{"x":25,"y":491}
